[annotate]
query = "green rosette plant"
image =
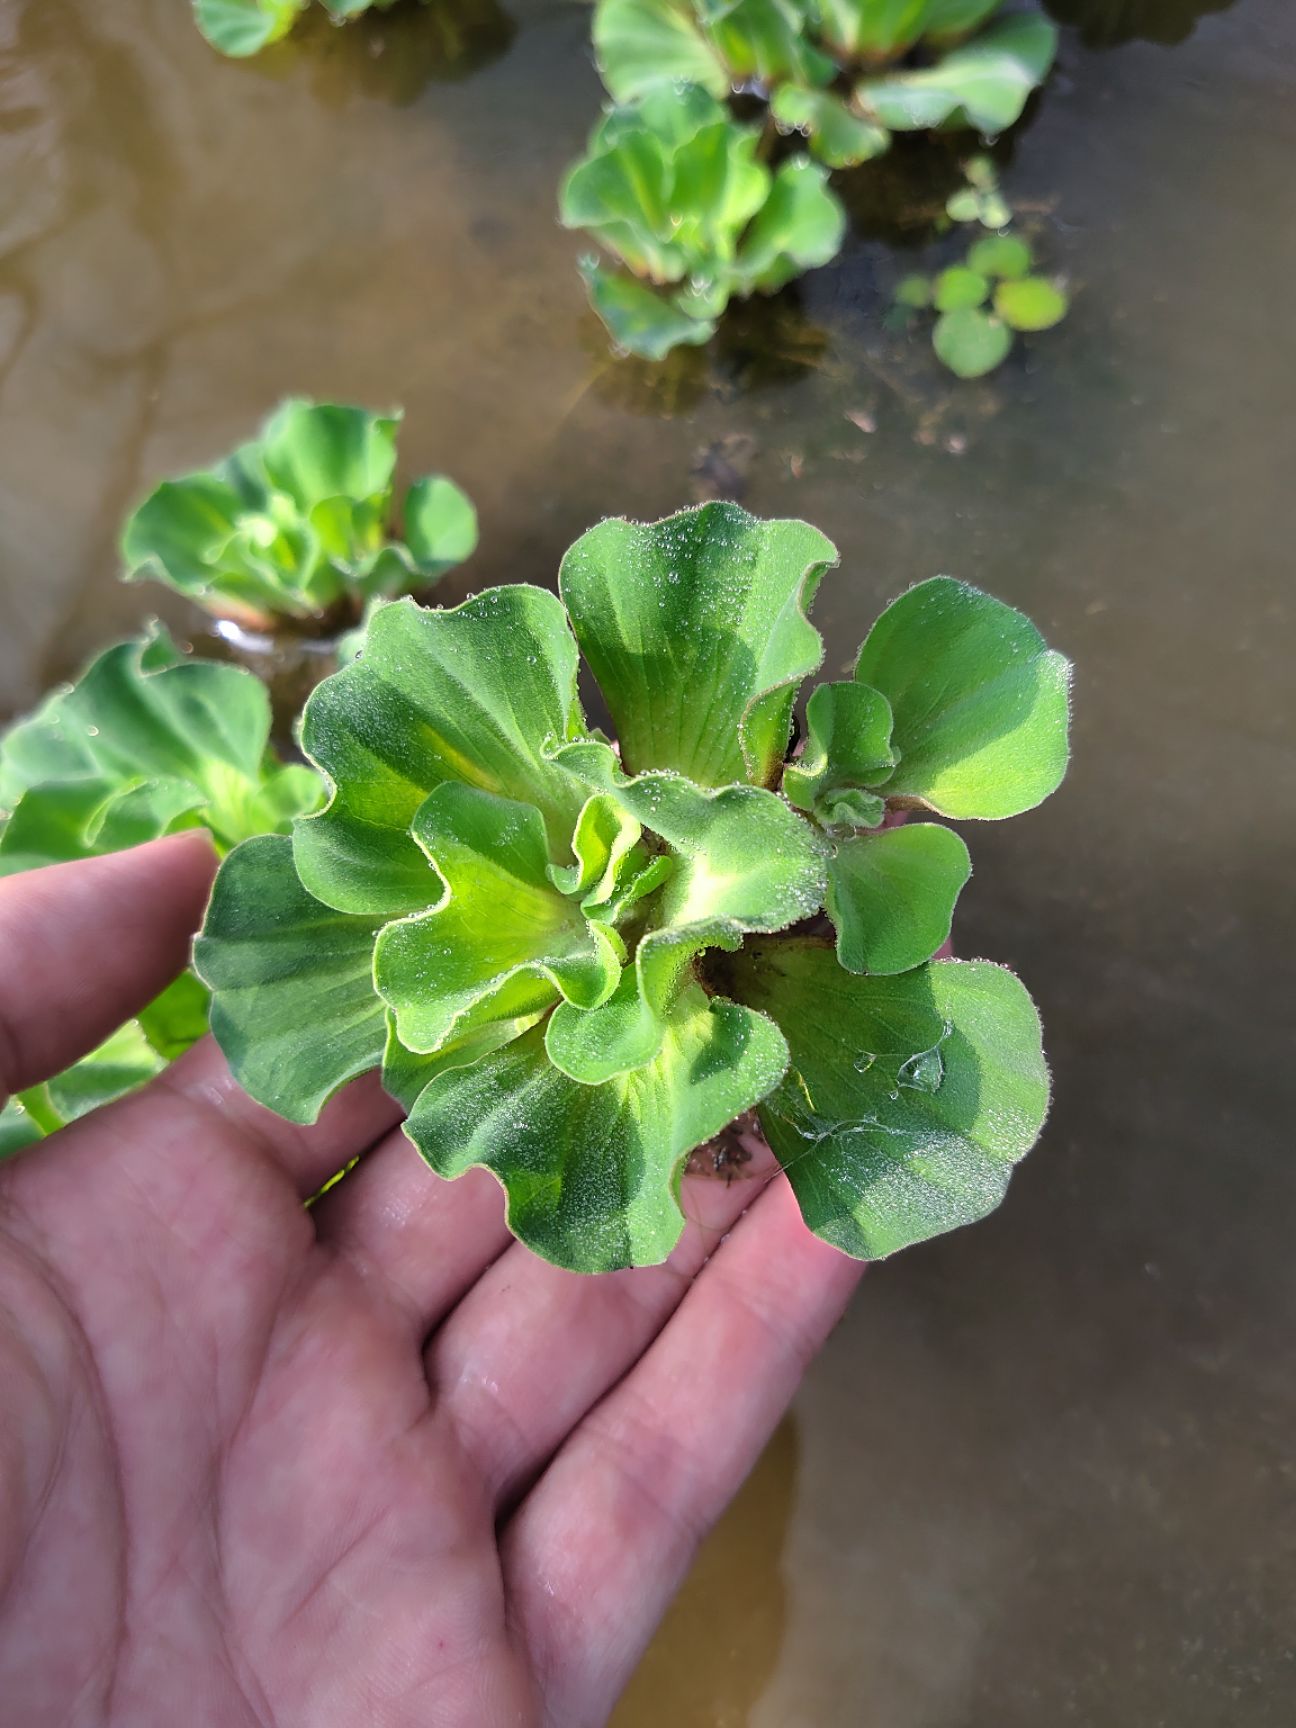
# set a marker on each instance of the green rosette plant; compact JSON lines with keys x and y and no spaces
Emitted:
{"x":297,"y":524}
{"x":847,"y":73}
{"x":145,"y":743}
{"x":577,"y":960}
{"x":240,"y":28}
{"x":676,"y":191}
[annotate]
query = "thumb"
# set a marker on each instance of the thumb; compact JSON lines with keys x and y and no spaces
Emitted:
{"x":84,"y":946}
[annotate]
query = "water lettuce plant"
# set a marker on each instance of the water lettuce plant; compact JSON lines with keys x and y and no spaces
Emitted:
{"x":675,"y":190}
{"x":146,"y":742}
{"x":982,"y":303}
{"x":576,"y":960}
{"x":847,"y":73}
{"x":298,"y":523}
{"x":240,"y":28}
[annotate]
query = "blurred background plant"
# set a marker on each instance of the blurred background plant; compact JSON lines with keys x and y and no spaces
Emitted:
{"x":296,"y":527}
{"x":146,"y":742}
{"x":669,"y":194}
{"x":981,"y":303}
{"x":675,"y":190}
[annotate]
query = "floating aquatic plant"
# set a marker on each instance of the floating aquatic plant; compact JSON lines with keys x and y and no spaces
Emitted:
{"x":983,"y":303}
{"x":298,"y":523}
{"x":675,"y":190}
{"x":575,"y":960}
{"x":847,"y":73}
{"x":240,"y":28}
{"x":145,"y":743}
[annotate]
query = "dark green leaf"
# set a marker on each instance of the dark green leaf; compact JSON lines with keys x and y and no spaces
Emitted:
{"x":909,"y":1099}
{"x":709,"y":600}
{"x":293,"y":1006}
{"x":848,"y":748}
{"x":591,"y":1172}
{"x":891,"y":895}
{"x":979,"y":701}
{"x":475,"y":694}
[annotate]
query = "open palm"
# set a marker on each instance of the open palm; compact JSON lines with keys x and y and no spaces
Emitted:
{"x":368,"y":1463}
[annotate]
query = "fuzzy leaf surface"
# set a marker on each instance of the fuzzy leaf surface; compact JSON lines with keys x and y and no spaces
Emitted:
{"x":891,"y":895}
{"x":848,"y":750}
{"x":144,"y":743}
{"x":908,"y":1100}
{"x":980,"y":703}
{"x":503,"y":942}
{"x":294,"y":1007}
{"x":591,"y":1171}
{"x":475,"y":694}
{"x":696,"y":630}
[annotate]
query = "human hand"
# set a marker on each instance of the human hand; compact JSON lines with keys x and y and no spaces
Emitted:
{"x":371,"y":1462}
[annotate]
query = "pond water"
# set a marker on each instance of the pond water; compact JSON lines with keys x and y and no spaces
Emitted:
{"x":1044,"y":1472}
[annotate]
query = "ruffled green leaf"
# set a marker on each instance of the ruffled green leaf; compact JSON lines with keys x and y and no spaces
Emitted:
{"x":643,"y":44}
{"x":891,"y":895}
{"x":848,"y":749}
{"x":144,"y":743}
{"x":741,"y":852}
{"x":711,"y":600}
{"x":801,"y":225}
{"x":503,"y":942}
{"x":475,"y":694}
{"x":123,"y":1062}
{"x":675,"y":188}
{"x":240,"y":28}
{"x":406,"y":1072}
{"x":1030,"y":304}
{"x":908,"y":1100}
{"x":440,"y":525}
{"x":970,"y":342}
{"x":837,"y":135}
{"x":591,"y":1171}
{"x":765,"y":42}
{"x":293,"y":1002}
{"x":979,"y":702}
{"x":872,"y":29}
{"x":984,"y":84}
{"x":639,"y":319}
{"x":743,"y":861}
{"x":295,"y":522}
{"x":605,"y":847}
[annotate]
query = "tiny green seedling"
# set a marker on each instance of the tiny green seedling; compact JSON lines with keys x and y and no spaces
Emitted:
{"x":296,"y":527}
{"x":984,"y":302}
{"x":675,"y":191}
{"x":576,"y":960}
{"x":145,"y":743}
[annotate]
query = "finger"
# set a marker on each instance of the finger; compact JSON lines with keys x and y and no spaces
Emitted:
{"x":198,"y":1096}
{"x":84,"y":946}
{"x":426,"y":1240}
{"x":597,"y":1550}
{"x":532,"y":1348}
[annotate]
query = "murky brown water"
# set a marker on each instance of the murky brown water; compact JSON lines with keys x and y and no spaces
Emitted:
{"x":1045,"y":1472}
